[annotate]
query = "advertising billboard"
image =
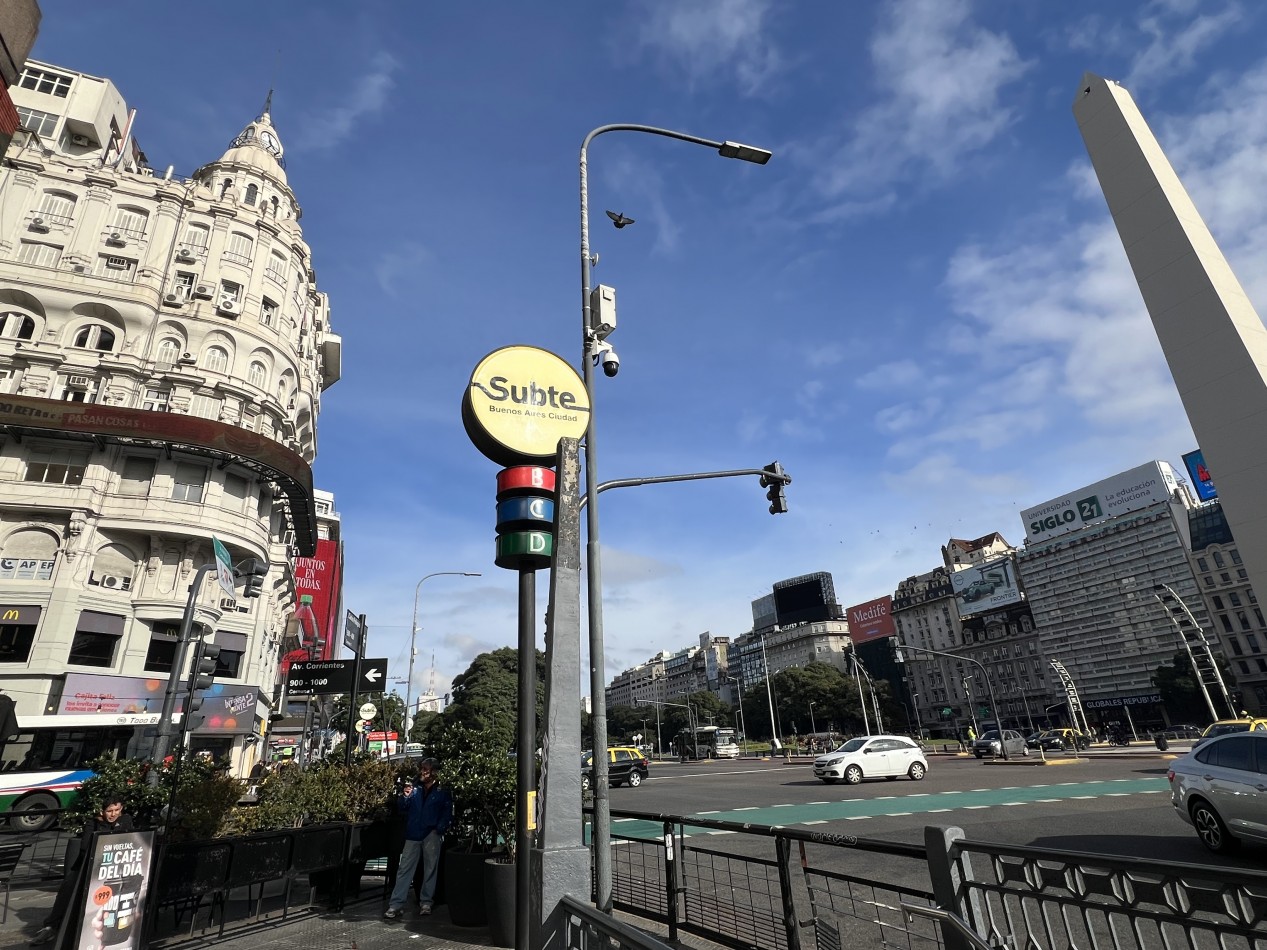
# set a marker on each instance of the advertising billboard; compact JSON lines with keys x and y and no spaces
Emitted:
{"x":986,"y":586}
{"x":872,"y":620}
{"x":321,"y":576}
{"x":764,"y":613}
{"x":1122,"y":493}
{"x":138,"y":700}
{"x":806,"y":598}
{"x":1194,"y":462}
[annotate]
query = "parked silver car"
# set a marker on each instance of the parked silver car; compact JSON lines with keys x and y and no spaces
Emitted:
{"x":990,"y":743}
{"x":1221,"y":790}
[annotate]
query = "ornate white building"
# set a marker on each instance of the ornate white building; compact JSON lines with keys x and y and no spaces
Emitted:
{"x":163,"y":351}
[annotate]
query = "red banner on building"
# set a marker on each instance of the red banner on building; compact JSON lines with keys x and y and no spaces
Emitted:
{"x":321,"y":577}
{"x":872,"y":620}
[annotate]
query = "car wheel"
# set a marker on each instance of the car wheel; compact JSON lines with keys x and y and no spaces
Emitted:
{"x":830,"y":781}
{"x":917,"y":771}
{"x":1210,"y":828}
{"x":978,"y":754}
{"x":634,"y":779}
{"x":853,"y":775}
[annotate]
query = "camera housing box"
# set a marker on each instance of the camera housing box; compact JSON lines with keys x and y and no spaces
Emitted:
{"x":603,"y":310}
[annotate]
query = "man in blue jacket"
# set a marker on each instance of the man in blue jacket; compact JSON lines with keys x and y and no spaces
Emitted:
{"x":428,"y":809}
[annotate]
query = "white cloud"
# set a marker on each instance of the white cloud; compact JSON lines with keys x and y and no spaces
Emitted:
{"x":720,"y":41}
{"x":900,"y":374}
{"x":1176,"y":39}
{"x":939,"y":79}
{"x":366,"y":99}
{"x":399,"y":268}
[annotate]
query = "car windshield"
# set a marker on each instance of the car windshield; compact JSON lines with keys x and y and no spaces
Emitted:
{"x":1224,"y":728}
{"x":992,"y":734}
{"x":853,"y":745}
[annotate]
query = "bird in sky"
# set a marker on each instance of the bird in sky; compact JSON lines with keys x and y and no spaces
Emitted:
{"x":619,"y":219}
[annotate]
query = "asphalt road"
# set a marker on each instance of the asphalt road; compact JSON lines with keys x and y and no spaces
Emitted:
{"x":1103,"y":804}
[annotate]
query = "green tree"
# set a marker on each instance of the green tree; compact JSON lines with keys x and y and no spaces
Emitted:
{"x":391,"y":708}
{"x":1180,"y":691}
{"x":486,"y":696}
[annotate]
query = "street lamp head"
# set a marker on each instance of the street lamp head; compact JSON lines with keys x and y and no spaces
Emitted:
{"x":746,"y":153}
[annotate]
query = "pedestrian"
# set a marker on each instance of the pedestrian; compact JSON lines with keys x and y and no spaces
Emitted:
{"x":972,"y":734}
{"x":428,"y":809}
{"x":110,"y":820}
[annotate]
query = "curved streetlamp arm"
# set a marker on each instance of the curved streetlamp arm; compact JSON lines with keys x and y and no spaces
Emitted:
{"x":413,"y":639}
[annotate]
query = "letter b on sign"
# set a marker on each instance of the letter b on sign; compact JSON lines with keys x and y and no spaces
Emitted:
{"x":525,"y":517}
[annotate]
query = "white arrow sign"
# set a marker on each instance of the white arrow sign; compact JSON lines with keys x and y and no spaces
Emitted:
{"x":374,"y":675}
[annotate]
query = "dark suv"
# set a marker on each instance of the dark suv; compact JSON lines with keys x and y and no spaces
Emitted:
{"x":625,"y":765}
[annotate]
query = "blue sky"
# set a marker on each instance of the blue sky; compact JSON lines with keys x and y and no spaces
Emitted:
{"x":920,"y":306}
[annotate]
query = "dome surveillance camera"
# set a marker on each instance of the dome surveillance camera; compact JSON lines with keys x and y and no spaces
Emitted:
{"x":606,"y":356}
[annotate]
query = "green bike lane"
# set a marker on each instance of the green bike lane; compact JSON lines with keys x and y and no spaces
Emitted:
{"x":914,"y":803}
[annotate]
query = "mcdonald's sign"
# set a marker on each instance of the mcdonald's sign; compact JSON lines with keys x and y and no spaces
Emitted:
{"x":24,"y":615}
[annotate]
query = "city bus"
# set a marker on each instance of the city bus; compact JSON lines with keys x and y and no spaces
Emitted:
{"x":43,"y":765}
{"x":710,"y":742}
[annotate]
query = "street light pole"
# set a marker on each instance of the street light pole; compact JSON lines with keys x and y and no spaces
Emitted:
{"x":413,"y":641}
{"x":593,"y":553}
{"x":812,"y":727}
{"x":769,"y":695}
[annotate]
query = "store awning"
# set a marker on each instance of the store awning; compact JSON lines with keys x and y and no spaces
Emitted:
{"x":92,"y":621}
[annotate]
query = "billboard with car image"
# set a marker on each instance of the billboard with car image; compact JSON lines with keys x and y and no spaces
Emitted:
{"x":986,"y":586}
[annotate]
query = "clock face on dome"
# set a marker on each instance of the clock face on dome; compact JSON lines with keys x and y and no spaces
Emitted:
{"x":269,"y":141}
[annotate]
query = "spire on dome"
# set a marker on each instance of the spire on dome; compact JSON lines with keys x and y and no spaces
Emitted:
{"x":268,"y":106}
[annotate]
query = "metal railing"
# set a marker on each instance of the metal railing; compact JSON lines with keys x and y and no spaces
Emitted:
{"x":758,"y":892}
{"x":588,"y":929}
{"x":762,"y":888}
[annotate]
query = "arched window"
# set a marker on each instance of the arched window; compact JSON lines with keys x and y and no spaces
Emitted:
{"x":16,"y":326}
{"x":257,"y":374}
{"x":273,"y":201}
{"x":197,"y":235}
{"x":95,"y":336}
{"x":240,"y":247}
{"x":252,"y":194}
{"x":168,"y":351}
{"x":276,"y":270}
{"x":57,"y":207}
{"x":130,"y":221}
{"x":217,"y":359}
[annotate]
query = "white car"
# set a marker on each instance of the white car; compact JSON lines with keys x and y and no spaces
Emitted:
{"x":872,"y":757}
{"x":1221,"y":790}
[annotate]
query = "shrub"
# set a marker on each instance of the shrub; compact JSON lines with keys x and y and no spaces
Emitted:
{"x":481,"y":776}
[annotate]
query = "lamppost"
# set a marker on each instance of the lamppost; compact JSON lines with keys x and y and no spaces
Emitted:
{"x":812,"y":727}
{"x":592,"y":350}
{"x":769,"y":695}
{"x":413,"y":638}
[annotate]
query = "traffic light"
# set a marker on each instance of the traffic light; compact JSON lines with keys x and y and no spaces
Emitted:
{"x":203,"y":672}
{"x":773,"y":483}
{"x":898,"y":656}
{"x":253,"y":571}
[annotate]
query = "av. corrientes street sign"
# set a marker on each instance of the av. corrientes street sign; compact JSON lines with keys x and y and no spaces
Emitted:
{"x":324,"y":677}
{"x":520,"y":401}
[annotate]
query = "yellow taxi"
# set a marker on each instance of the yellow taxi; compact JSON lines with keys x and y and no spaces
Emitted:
{"x":1225,"y":726}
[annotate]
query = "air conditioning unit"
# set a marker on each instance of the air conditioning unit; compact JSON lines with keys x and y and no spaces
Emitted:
{"x":39,"y":224}
{"x":204,"y":291}
{"x":82,"y":141}
{"x":79,"y":269}
{"x":174,"y":300}
{"x":117,"y":263}
{"x":78,"y":382}
{"x":116,"y":240}
{"x":228,"y":305}
{"x":186,"y":256}
{"x":228,"y":603}
{"x":187,"y":359}
{"x":114,"y":582}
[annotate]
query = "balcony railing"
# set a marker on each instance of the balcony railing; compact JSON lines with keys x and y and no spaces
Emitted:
{"x":237,"y":258}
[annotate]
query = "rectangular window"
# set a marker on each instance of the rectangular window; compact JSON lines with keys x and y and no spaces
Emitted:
{"x":26,"y":569}
{"x":1218,"y":559}
{"x":56,"y":466}
{"x":268,"y":312}
{"x":228,"y":664}
{"x":115,"y":268}
{"x":1242,"y":619}
{"x":1202,"y":565}
{"x":235,"y":489}
{"x":16,"y":641}
{"x":1218,"y":602}
{"x":41,"y":123}
{"x":184,"y":279}
{"x":1235,"y":555}
{"x":138,"y":475}
{"x":188,"y":482}
{"x":41,"y":80}
{"x":1209,"y":581}
{"x":156,"y":400}
{"x":1252,"y":640}
{"x":230,"y":290}
{"x":41,"y":255}
{"x":1227,"y":622}
{"x":92,"y":649}
{"x":1234,"y":598}
{"x":160,"y":656}
{"x":1236,"y":646}
{"x":207,"y":407}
